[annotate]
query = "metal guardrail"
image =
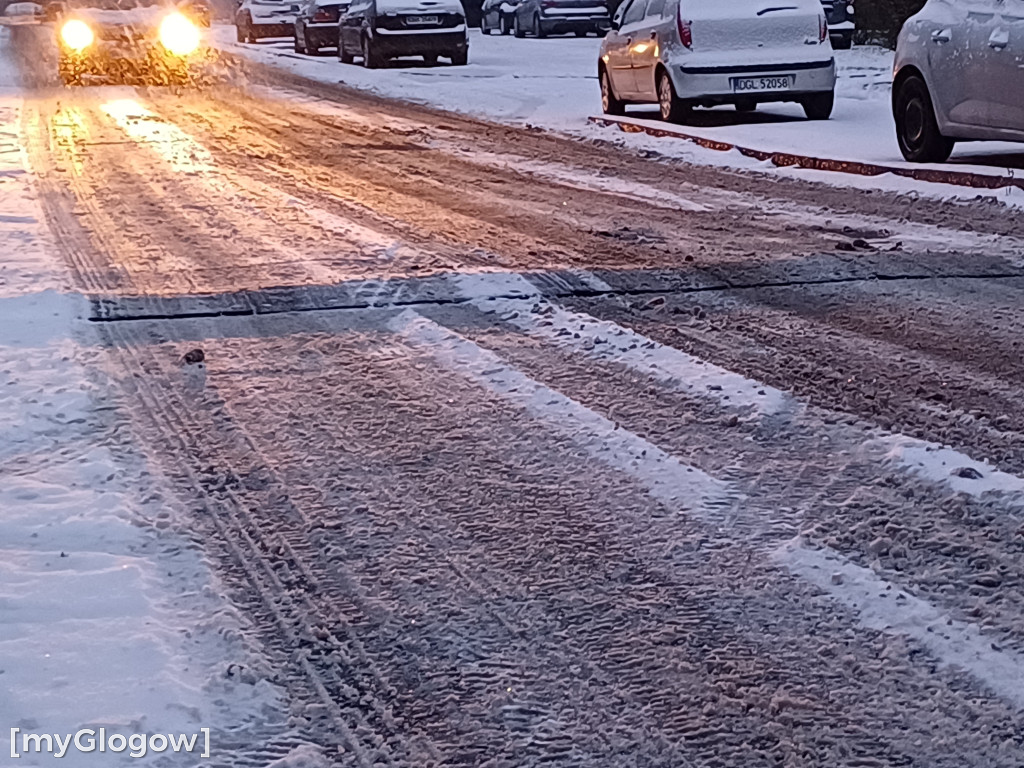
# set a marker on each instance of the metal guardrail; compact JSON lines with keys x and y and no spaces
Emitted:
{"x":787,"y":159}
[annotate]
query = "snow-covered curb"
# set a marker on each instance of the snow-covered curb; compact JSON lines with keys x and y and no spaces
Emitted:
{"x":551,"y":84}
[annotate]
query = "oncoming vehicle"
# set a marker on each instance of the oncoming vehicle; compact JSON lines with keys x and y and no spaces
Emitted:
{"x":497,"y":14}
{"x":685,"y":53}
{"x":148,"y":41}
{"x":959,"y":76}
{"x":259,"y":19}
{"x":316,"y":26}
{"x":379,"y":30}
{"x":541,"y":18}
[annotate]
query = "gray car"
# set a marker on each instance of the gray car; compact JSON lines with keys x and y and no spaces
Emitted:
{"x":959,"y":75}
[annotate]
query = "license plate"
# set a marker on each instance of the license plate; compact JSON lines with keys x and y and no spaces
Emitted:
{"x":421,"y":19}
{"x":773,"y":83}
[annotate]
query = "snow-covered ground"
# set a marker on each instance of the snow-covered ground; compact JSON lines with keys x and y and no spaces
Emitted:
{"x":108,"y":618}
{"x":552,"y":84}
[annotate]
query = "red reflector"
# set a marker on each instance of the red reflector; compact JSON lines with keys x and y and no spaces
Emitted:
{"x":685,"y":32}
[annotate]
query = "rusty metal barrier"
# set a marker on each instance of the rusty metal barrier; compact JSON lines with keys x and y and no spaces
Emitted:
{"x":786,"y":159}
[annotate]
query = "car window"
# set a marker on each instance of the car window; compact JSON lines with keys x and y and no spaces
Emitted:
{"x":655,"y":8}
{"x":635,"y":12}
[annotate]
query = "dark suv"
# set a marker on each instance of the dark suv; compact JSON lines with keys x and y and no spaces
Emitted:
{"x":841,"y":22}
{"x":378,"y":30}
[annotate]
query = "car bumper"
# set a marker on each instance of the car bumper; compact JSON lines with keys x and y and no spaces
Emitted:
{"x":714,"y":85}
{"x":148,"y":63}
{"x":323,"y":35}
{"x":276,"y":29}
{"x":420,"y":42}
{"x":573,"y":23}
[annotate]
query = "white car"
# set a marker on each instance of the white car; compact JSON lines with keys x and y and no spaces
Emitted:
{"x":685,"y":53}
{"x":959,"y":75}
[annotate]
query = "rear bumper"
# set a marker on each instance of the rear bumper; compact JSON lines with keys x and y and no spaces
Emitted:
{"x":714,"y":85}
{"x":558,"y":24}
{"x":324,"y":35}
{"x":277,"y":29}
{"x":441,"y":42}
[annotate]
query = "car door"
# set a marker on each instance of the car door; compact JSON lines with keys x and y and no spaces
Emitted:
{"x":948,"y":34}
{"x":646,"y":48}
{"x":1006,"y":45}
{"x":616,"y":56}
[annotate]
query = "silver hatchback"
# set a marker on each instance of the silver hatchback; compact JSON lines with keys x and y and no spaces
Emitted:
{"x":959,"y":75}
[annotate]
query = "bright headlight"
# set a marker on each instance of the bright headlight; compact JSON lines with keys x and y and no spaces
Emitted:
{"x":179,"y":35}
{"x":76,"y":35}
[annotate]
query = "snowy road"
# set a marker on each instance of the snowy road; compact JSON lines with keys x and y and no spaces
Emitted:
{"x":512,"y":451}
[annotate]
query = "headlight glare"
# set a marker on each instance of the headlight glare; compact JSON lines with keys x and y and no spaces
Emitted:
{"x":179,"y":35}
{"x":76,"y":35}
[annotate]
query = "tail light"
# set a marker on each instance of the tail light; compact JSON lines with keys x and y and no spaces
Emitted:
{"x":323,"y":16}
{"x":685,"y":30}
{"x":548,"y":4}
{"x":822,"y":29}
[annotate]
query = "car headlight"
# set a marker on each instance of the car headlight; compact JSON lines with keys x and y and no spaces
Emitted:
{"x":179,"y":35}
{"x":76,"y":35}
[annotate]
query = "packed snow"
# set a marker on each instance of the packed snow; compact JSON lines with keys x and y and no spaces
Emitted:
{"x":108,"y":617}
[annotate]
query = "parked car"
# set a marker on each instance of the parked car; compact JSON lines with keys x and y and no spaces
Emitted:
{"x":959,"y":75}
{"x":842,"y":22}
{"x":258,"y":19}
{"x":378,"y":30}
{"x":541,"y":18}
{"x":685,"y":53}
{"x":497,"y":14}
{"x":316,"y":25}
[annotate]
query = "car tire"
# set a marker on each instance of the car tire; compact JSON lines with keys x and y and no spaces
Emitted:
{"x":610,"y":104}
{"x":484,"y":29}
{"x":917,"y":130}
{"x":538,"y":28}
{"x":746,"y":105}
{"x":460,"y":58}
{"x":673,"y":109}
{"x":430,"y":59}
{"x":517,"y":27}
{"x":581,"y":33}
{"x":371,"y":59}
{"x":819,"y":106}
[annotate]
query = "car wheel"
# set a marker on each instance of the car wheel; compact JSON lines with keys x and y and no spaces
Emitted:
{"x":538,"y":30}
{"x":505,"y":23}
{"x":819,"y":106}
{"x":430,"y":59}
{"x":371,"y":59}
{"x":746,"y":105}
{"x":673,"y":109}
{"x":917,"y":130}
{"x":484,"y":29}
{"x":517,"y":27}
{"x":581,"y":33}
{"x":460,"y":58}
{"x":610,"y":105}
